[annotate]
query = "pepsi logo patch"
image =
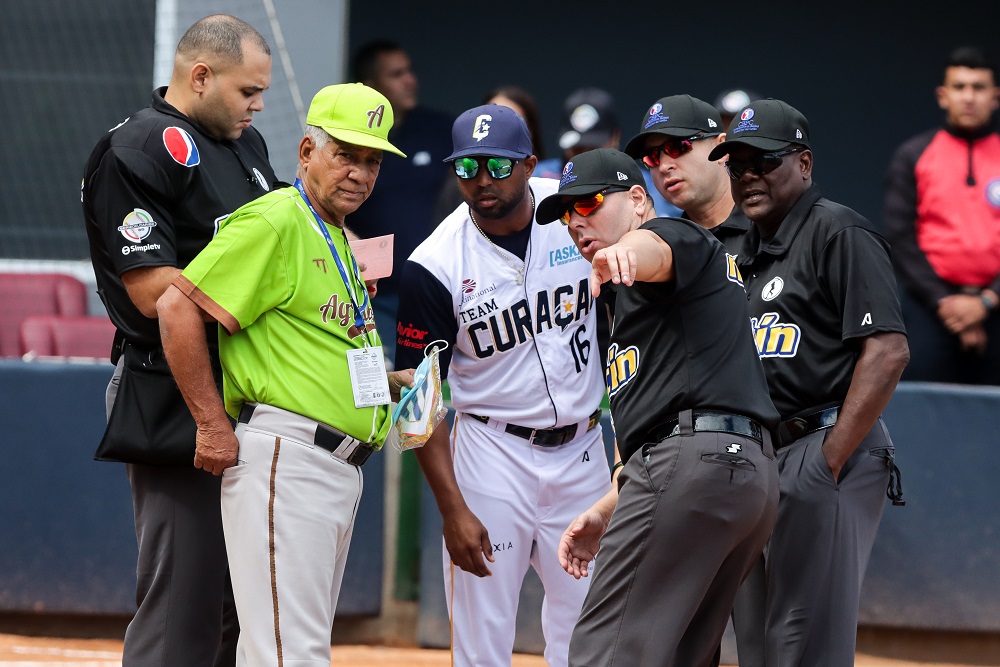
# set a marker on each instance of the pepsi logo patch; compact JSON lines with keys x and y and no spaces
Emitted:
{"x":181,"y":147}
{"x":137,"y":225}
{"x":993,"y":192}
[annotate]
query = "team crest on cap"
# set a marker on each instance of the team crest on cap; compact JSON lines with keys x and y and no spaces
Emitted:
{"x":655,"y":117}
{"x":375,"y":116}
{"x":747,"y":114}
{"x":137,"y":225}
{"x":746,"y":123}
{"x":481,"y":128}
{"x":181,"y":146}
{"x":567,"y":175}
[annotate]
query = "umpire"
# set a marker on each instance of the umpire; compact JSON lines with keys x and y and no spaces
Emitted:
{"x":154,"y":190}
{"x":697,"y":496}
{"x":829,"y":332}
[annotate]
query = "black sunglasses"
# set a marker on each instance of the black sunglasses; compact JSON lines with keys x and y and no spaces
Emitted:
{"x":674,"y":147}
{"x":498,"y":167}
{"x":760,"y":164}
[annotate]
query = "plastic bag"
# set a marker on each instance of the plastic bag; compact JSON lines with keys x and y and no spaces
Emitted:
{"x":421,"y":408}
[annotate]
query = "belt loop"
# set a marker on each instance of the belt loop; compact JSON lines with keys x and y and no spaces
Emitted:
{"x":685,"y":422}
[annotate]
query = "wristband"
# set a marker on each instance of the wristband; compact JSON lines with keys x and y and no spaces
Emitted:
{"x":614,"y":469}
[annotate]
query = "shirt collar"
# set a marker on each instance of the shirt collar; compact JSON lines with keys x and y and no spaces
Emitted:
{"x":778,"y":245}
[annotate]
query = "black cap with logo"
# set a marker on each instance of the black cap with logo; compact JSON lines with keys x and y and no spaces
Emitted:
{"x":767,"y":125}
{"x":676,"y":116}
{"x":587,"y":174}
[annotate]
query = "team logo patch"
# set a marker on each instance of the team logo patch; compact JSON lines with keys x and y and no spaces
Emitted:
{"x":775,"y":338}
{"x":623,"y":366}
{"x":468,"y":286}
{"x":567,"y":175}
{"x":375,"y":116}
{"x":261,"y":180}
{"x":746,"y":123}
{"x":181,"y":146}
{"x":772,"y":289}
{"x":137,"y":225}
{"x":481,"y":128}
{"x":655,"y":109}
{"x":993,"y":192}
{"x":584,"y":117}
{"x":733,"y":274}
{"x":655,"y":117}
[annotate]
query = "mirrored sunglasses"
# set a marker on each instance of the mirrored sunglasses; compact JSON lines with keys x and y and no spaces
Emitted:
{"x":587,"y":205}
{"x":760,"y":164}
{"x":497,"y":167}
{"x":673,"y":147}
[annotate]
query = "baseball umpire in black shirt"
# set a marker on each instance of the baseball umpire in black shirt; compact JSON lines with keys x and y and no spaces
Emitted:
{"x":697,"y":494}
{"x":830,"y":334}
{"x":154,"y":191}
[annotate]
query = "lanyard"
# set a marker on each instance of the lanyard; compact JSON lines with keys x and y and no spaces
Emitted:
{"x":359,"y":320}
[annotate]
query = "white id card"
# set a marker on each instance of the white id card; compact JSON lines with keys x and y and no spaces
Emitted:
{"x":368,"y":378}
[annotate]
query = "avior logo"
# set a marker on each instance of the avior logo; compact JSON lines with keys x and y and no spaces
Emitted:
{"x":564,"y":255}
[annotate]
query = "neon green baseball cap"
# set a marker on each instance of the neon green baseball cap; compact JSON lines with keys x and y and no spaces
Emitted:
{"x":354,"y":113}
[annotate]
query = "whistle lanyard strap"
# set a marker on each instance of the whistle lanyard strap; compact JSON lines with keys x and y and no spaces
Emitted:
{"x":359,"y":320}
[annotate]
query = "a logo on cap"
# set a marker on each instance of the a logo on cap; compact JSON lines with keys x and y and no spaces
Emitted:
{"x":481,"y":129}
{"x":567,"y":175}
{"x":746,"y":124}
{"x":181,"y":146}
{"x":747,"y":114}
{"x":584,"y":117}
{"x":375,"y":116}
{"x":798,"y":133}
{"x":622,"y":177}
{"x":655,"y":109}
{"x":655,"y":117}
{"x":712,"y":123}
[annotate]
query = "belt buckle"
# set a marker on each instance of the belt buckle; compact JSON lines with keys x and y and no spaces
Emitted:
{"x":360,"y":455}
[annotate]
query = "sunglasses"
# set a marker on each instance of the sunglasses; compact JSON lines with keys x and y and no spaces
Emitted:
{"x":587,"y":205}
{"x":762,"y":163}
{"x":673,"y":147}
{"x":498,"y":167}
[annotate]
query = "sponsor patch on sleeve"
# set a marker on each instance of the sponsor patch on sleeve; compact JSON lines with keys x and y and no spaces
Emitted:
{"x":181,"y":146}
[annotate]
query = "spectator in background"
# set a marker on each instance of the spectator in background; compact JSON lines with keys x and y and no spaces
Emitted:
{"x":590,"y":121}
{"x":523,"y":104}
{"x":731,"y":101}
{"x":942,"y":216}
{"x":404,"y":203}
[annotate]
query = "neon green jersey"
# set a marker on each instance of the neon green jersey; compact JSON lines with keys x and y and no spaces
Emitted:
{"x":272,"y":283}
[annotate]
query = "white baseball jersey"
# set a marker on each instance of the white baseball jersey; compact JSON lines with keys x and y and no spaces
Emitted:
{"x":520,"y":353}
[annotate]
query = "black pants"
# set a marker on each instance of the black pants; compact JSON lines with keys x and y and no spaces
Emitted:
{"x":186,"y":614}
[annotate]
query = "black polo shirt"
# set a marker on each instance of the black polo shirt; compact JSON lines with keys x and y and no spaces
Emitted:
{"x":154,"y":191}
{"x":683,"y":344}
{"x":821,"y":284}
{"x":732,"y":230}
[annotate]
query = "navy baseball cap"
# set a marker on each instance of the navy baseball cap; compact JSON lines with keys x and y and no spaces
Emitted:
{"x":767,"y":125}
{"x":676,"y":116}
{"x":587,"y":174}
{"x":492,"y":130}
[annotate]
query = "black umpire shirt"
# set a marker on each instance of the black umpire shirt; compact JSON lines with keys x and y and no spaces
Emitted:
{"x":684,"y":344}
{"x":154,"y":191}
{"x":820,"y":285}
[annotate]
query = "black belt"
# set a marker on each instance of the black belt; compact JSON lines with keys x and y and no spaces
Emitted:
{"x":545,"y":437}
{"x":327,"y":438}
{"x":796,"y":427}
{"x":711,"y":421}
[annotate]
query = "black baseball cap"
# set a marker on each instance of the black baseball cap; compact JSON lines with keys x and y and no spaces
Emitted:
{"x":588,"y":119}
{"x":676,"y":116}
{"x":587,"y":174}
{"x":768,"y":125}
